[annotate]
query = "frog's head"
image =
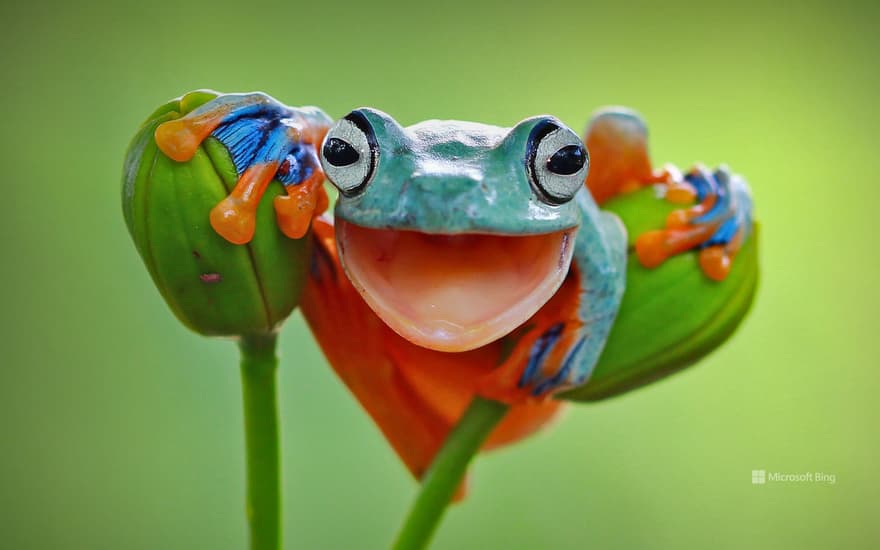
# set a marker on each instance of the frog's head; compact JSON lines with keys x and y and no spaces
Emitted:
{"x":455,"y":233}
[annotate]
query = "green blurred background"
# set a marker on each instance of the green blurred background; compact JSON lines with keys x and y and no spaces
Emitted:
{"x":123,"y":430}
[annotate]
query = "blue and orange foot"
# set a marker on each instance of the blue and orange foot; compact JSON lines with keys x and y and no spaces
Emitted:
{"x":718,"y":215}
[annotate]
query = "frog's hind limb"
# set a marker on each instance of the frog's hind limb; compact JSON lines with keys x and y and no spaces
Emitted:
{"x":716,"y":213}
{"x":266,"y":140}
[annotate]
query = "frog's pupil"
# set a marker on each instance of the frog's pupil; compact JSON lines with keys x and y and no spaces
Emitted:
{"x":567,"y":160}
{"x":339,"y":152}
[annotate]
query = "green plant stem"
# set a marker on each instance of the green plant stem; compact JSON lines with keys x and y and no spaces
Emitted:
{"x":258,"y":366}
{"x":447,"y":471}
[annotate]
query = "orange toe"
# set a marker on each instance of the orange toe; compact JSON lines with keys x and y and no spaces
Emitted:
{"x":715,"y":262}
{"x":233,"y":221}
{"x":177,"y":140}
{"x":294,"y":214}
{"x":651,"y":249}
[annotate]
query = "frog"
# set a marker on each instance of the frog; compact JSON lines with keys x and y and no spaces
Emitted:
{"x":462,"y":259}
{"x":457,"y":234}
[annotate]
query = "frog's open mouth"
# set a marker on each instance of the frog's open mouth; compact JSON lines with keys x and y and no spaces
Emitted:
{"x":453,"y":292}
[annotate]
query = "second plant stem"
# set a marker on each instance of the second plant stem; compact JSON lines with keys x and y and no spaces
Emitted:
{"x":447,"y":472}
{"x":258,"y":372}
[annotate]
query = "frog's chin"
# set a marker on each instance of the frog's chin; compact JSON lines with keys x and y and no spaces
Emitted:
{"x":453,"y":292}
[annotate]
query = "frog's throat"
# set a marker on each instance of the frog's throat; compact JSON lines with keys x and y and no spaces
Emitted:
{"x":453,"y":292}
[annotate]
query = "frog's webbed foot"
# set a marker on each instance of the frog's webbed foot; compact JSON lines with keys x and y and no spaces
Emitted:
{"x":266,"y":140}
{"x":544,"y":356}
{"x":716,"y":225}
{"x":543,"y":361}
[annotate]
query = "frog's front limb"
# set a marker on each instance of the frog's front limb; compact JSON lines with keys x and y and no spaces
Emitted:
{"x":559,"y":346}
{"x":266,"y":140}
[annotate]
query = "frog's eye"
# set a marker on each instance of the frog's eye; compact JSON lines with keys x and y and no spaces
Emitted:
{"x":557,"y":162}
{"x":350,"y":153}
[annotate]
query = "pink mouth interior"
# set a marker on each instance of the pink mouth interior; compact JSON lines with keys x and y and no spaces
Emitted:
{"x":453,"y":292}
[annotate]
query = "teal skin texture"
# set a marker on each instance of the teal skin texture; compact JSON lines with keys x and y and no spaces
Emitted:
{"x":452,"y":177}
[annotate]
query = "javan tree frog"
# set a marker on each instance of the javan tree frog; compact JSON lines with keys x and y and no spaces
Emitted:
{"x":466,"y":259}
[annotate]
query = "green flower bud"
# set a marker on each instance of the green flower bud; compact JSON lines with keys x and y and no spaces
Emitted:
{"x":214,"y":287}
{"x":672,"y":315}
